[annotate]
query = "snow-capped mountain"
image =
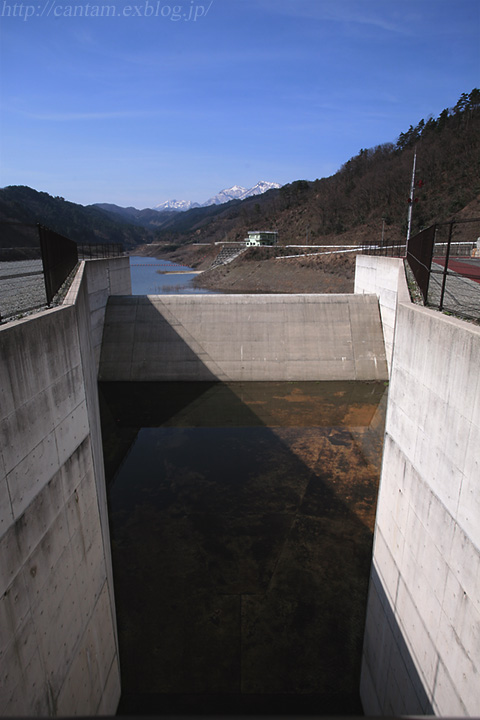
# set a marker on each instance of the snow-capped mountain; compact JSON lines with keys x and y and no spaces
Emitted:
{"x":260,"y":188}
{"x":237,"y":192}
{"x":176,"y":205}
{"x":234,"y":193}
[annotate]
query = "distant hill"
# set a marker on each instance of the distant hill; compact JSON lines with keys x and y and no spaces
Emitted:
{"x":21,"y":204}
{"x":166,"y":221}
{"x":155,"y":217}
{"x":144,"y":218}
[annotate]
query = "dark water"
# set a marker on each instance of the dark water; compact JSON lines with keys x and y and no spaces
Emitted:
{"x":241,"y":527}
{"x":155,"y":277}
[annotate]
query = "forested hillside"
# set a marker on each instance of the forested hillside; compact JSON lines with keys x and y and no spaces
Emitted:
{"x":374,"y":184}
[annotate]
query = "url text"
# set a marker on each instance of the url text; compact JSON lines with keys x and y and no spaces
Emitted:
{"x":157,"y":9}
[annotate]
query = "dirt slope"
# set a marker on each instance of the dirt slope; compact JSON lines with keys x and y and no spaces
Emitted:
{"x":323,"y":274}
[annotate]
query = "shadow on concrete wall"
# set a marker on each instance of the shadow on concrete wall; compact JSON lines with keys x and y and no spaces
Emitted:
{"x":151,"y":347}
{"x":397,"y":687}
{"x":147,"y":345}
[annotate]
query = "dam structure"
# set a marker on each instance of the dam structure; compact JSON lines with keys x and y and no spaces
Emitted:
{"x":240,"y":338}
{"x":59,"y":646}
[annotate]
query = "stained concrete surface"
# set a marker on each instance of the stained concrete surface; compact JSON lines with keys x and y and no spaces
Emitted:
{"x":241,"y":520}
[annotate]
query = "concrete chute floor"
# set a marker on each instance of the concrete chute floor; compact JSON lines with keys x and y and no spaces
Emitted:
{"x":241,"y":524}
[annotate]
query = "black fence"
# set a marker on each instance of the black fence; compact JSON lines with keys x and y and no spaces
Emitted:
{"x":35,"y":264}
{"x":445,"y":261}
{"x":419,"y":257}
{"x":59,"y":256}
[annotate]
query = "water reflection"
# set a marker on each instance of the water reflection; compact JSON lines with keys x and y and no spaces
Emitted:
{"x":241,"y":524}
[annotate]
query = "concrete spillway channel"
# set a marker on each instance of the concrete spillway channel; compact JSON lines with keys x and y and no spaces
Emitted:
{"x":249,"y":556}
{"x":239,"y":486}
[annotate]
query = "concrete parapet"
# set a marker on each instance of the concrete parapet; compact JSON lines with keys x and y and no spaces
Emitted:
{"x":110,"y":276}
{"x":385,"y":278}
{"x":243,"y":338}
{"x":58,"y":643}
{"x":421,"y":649}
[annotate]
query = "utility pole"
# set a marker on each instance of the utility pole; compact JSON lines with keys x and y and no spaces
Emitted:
{"x":411,"y":199}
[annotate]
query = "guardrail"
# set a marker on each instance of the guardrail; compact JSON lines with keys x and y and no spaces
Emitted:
{"x":387,"y":248}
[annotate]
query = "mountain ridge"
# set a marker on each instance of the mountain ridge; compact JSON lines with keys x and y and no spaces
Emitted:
{"x":371,"y":189}
{"x":236,"y":192}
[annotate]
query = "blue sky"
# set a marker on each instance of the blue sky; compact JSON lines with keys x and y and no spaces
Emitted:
{"x":141,"y":101}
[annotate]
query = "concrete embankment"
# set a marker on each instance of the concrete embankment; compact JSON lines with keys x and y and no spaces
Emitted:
{"x":421,"y":649}
{"x":243,"y":338}
{"x":58,"y":645}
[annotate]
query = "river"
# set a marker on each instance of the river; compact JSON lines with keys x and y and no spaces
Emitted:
{"x":151,"y":276}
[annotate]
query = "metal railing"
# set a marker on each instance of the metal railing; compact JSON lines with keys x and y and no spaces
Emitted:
{"x":35,"y":264}
{"x":387,"y":248}
{"x":445,"y":261}
{"x":100,"y":251}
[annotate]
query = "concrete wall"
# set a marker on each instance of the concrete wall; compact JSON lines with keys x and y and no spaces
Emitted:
{"x":243,"y":337}
{"x":422,"y":638}
{"x":104,"y":278}
{"x":384,"y":277}
{"x":58,"y":647}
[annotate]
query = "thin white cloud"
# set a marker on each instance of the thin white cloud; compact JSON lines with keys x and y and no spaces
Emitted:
{"x":367,"y":13}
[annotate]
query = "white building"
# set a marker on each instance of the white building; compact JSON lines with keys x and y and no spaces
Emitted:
{"x":256,"y":238}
